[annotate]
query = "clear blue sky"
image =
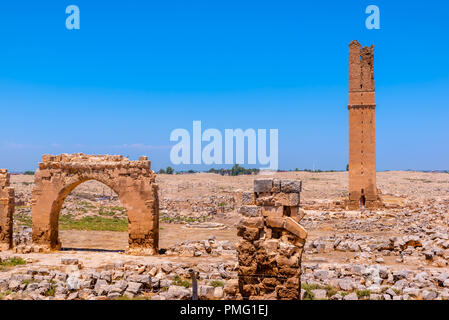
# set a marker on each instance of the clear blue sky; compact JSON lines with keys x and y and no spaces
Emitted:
{"x":136,"y":70}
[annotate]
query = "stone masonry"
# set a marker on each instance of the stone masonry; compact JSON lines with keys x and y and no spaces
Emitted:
{"x":270,"y":252}
{"x":362,"y":132}
{"x":133,"y":181}
{"x":6,"y":211}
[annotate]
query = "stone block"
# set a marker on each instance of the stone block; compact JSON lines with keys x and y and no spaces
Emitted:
{"x":286,"y":199}
{"x":291,"y":186}
{"x":272,"y":211}
{"x":263,"y":185}
{"x":252,"y":222}
{"x":275,"y":222}
{"x":251,"y":211}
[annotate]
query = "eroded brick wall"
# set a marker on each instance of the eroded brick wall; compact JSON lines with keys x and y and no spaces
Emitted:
{"x":6,"y":210}
{"x":133,"y":181}
{"x":362,"y":132}
{"x":270,"y":252}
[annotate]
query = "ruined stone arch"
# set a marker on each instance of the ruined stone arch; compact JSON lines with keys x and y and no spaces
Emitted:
{"x":132,"y":181}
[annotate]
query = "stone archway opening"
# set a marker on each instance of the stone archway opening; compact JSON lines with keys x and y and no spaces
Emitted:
{"x":132,"y":181}
{"x":92,"y":218}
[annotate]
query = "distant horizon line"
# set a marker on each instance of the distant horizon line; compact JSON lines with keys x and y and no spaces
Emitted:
{"x":191,"y":171}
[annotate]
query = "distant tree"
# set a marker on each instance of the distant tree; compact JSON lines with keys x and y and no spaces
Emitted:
{"x":29,"y":173}
{"x":162,"y":171}
{"x":169,"y":170}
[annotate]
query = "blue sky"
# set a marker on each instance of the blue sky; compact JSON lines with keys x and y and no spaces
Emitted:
{"x":136,"y":70}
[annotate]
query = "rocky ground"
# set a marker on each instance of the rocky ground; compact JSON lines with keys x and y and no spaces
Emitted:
{"x":395,"y":253}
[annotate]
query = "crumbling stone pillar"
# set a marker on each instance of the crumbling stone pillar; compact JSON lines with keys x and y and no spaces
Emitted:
{"x":6,"y":211}
{"x":270,"y":252}
{"x":133,"y":181}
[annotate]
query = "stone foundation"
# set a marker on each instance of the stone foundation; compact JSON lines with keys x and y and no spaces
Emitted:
{"x":133,"y":181}
{"x":6,"y":211}
{"x":270,"y":252}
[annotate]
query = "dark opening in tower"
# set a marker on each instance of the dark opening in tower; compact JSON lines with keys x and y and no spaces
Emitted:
{"x":362,"y":199}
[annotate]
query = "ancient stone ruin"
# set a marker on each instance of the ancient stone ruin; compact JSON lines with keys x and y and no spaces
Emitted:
{"x":362,"y":131}
{"x":6,"y":211}
{"x":270,"y":252}
{"x":133,"y":181}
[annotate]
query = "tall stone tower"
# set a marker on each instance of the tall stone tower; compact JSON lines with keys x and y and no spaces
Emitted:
{"x":362,"y":130}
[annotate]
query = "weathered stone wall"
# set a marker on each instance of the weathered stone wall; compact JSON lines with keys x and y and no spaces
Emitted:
{"x":270,"y":252}
{"x":6,"y":210}
{"x":362,"y":131}
{"x":133,"y":181}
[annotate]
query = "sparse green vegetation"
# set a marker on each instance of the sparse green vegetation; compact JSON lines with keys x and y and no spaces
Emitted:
{"x":397,"y":291}
{"x":308,"y":290}
{"x":86,"y":204}
{"x":182,"y":219}
{"x":4,"y":294}
{"x":217,"y":283}
{"x":27,"y":183}
{"x":50,"y":291}
{"x":11,"y":262}
{"x":330,"y":290}
{"x":133,"y":298}
{"x":29,"y":173}
{"x":178,"y":281}
{"x":23,"y":219}
{"x":68,"y":222}
{"x":419,"y":180}
{"x":111,"y":211}
{"x":363,"y":293}
{"x":27,"y":281}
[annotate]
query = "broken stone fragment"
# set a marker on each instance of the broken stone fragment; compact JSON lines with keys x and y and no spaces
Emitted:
{"x":242,"y":198}
{"x":296,"y":213}
{"x":295,"y":228}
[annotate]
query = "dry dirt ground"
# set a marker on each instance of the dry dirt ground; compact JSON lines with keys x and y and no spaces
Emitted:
{"x":197,"y":195}
{"x":409,"y":233}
